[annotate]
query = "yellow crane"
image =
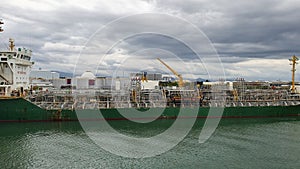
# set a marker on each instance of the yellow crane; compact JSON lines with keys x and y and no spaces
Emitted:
{"x":180,"y":79}
{"x":144,"y":77}
{"x":294,"y":60}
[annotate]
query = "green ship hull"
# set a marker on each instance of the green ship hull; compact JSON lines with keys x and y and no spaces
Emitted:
{"x":21,"y":110}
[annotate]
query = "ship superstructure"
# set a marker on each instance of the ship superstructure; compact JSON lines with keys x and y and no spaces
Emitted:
{"x":15,"y":67}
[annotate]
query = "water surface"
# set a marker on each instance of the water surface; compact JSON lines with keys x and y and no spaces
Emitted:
{"x":244,"y":144}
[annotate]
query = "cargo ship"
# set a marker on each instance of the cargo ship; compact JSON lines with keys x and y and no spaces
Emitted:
{"x":18,"y":102}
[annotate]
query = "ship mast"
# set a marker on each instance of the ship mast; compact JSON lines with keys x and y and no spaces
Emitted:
{"x":11,"y":44}
{"x":293,"y":63}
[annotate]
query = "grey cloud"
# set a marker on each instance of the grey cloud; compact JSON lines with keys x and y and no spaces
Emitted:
{"x":240,"y":30}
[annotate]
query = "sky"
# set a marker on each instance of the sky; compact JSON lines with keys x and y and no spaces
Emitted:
{"x":197,"y":38}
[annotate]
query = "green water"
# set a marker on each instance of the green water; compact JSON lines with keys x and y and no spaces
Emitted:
{"x":243,"y":144}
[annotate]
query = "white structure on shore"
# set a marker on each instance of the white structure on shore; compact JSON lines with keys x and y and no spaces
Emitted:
{"x":89,"y":81}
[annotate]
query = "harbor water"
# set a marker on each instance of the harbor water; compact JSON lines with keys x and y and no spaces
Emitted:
{"x":236,"y":143}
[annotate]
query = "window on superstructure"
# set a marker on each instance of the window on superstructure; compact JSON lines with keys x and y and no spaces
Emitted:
{"x":21,"y":56}
{"x":0,"y":54}
{"x":18,"y":55}
{"x":15,"y":54}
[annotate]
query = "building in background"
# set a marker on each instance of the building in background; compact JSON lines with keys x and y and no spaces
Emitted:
{"x":44,"y":75}
{"x":150,"y":76}
{"x":42,"y":80}
{"x":90,"y":81}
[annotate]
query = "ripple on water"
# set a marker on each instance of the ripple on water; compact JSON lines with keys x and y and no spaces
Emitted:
{"x":249,"y":145}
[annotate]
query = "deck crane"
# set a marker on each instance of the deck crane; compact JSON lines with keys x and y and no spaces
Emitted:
{"x":180,"y":79}
{"x":293,"y":61}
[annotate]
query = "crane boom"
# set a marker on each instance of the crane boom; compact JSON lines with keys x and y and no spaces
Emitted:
{"x":180,"y":79}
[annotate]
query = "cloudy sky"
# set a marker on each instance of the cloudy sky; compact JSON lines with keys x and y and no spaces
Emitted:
{"x":198,"y":38}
